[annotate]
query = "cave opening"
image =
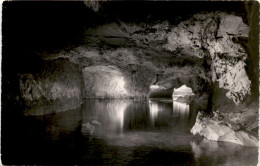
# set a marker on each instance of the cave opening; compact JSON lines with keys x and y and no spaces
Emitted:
{"x":182,"y":97}
{"x":182,"y":92}
{"x":156,"y":91}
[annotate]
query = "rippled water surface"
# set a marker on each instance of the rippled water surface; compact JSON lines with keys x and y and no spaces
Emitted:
{"x":123,"y":132}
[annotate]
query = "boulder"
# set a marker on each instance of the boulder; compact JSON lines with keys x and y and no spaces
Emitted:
{"x":95,"y":122}
{"x":87,"y":128}
{"x":217,"y":129}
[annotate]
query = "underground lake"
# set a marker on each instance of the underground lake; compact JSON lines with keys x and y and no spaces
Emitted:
{"x":130,"y":83}
{"x":126,"y":132}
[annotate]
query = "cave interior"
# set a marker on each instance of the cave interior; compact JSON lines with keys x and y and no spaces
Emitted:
{"x":57,"y":54}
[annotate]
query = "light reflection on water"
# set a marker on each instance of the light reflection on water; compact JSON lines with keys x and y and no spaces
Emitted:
{"x":109,"y":112}
{"x":154,"y":109}
{"x":180,"y":109}
{"x":138,"y":133}
{"x":208,"y":152}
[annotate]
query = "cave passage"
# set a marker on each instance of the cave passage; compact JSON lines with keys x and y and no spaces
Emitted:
{"x":129,"y":83}
{"x":181,"y":99}
{"x":182,"y":91}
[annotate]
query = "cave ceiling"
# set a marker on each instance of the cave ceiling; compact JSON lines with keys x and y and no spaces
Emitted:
{"x":150,"y":43}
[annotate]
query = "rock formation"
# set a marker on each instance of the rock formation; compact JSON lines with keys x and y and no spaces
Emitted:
{"x":87,"y":128}
{"x":104,"y":81}
{"x":217,"y":128}
{"x":182,"y":92}
{"x":118,"y":59}
{"x":58,"y":87}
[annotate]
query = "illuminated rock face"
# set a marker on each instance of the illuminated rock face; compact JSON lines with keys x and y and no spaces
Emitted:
{"x":104,"y":81}
{"x":221,"y":40}
{"x":204,"y":48}
{"x":211,"y":37}
{"x":182,"y":92}
{"x":235,"y":80}
{"x":217,"y":129}
{"x":141,"y":60}
{"x":156,"y":87}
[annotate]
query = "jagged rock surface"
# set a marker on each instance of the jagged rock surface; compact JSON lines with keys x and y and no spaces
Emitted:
{"x":202,"y":52}
{"x":160,"y":48}
{"x":216,"y":128}
{"x":104,"y":81}
{"x":219,"y":35}
{"x":57,"y":88}
{"x":162,"y":54}
{"x":206,"y":52}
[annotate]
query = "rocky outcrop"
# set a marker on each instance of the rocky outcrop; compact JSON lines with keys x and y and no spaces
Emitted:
{"x":229,"y":58}
{"x":182,"y":93}
{"x":57,"y":88}
{"x":87,"y":128}
{"x":217,"y":128}
{"x":218,"y":34}
{"x":104,"y":81}
{"x":213,"y":37}
{"x":219,"y":37}
{"x":94,"y":5}
{"x":195,"y":52}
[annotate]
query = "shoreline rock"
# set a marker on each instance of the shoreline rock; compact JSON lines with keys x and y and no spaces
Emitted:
{"x":217,"y":129}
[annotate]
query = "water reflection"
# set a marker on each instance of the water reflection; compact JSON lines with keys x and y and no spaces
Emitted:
{"x":136,"y":116}
{"x":109,"y":112}
{"x":125,"y":115}
{"x":62,"y":123}
{"x":180,"y":109}
{"x":137,"y":133}
{"x":213,"y":153}
{"x":154,"y":110}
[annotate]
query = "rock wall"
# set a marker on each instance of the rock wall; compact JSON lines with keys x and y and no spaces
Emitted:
{"x":218,"y":34}
{"x":121,"y":59}
{"x":212,"y":38}
{"x":227,"y":46}
{"x":104,"y":81}
{"x":58,"y":87}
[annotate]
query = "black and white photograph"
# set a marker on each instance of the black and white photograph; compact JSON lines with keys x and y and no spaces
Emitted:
{"x":135,"y":83}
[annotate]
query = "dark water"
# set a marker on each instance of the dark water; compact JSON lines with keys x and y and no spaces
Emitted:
{"x":126,"y":133}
